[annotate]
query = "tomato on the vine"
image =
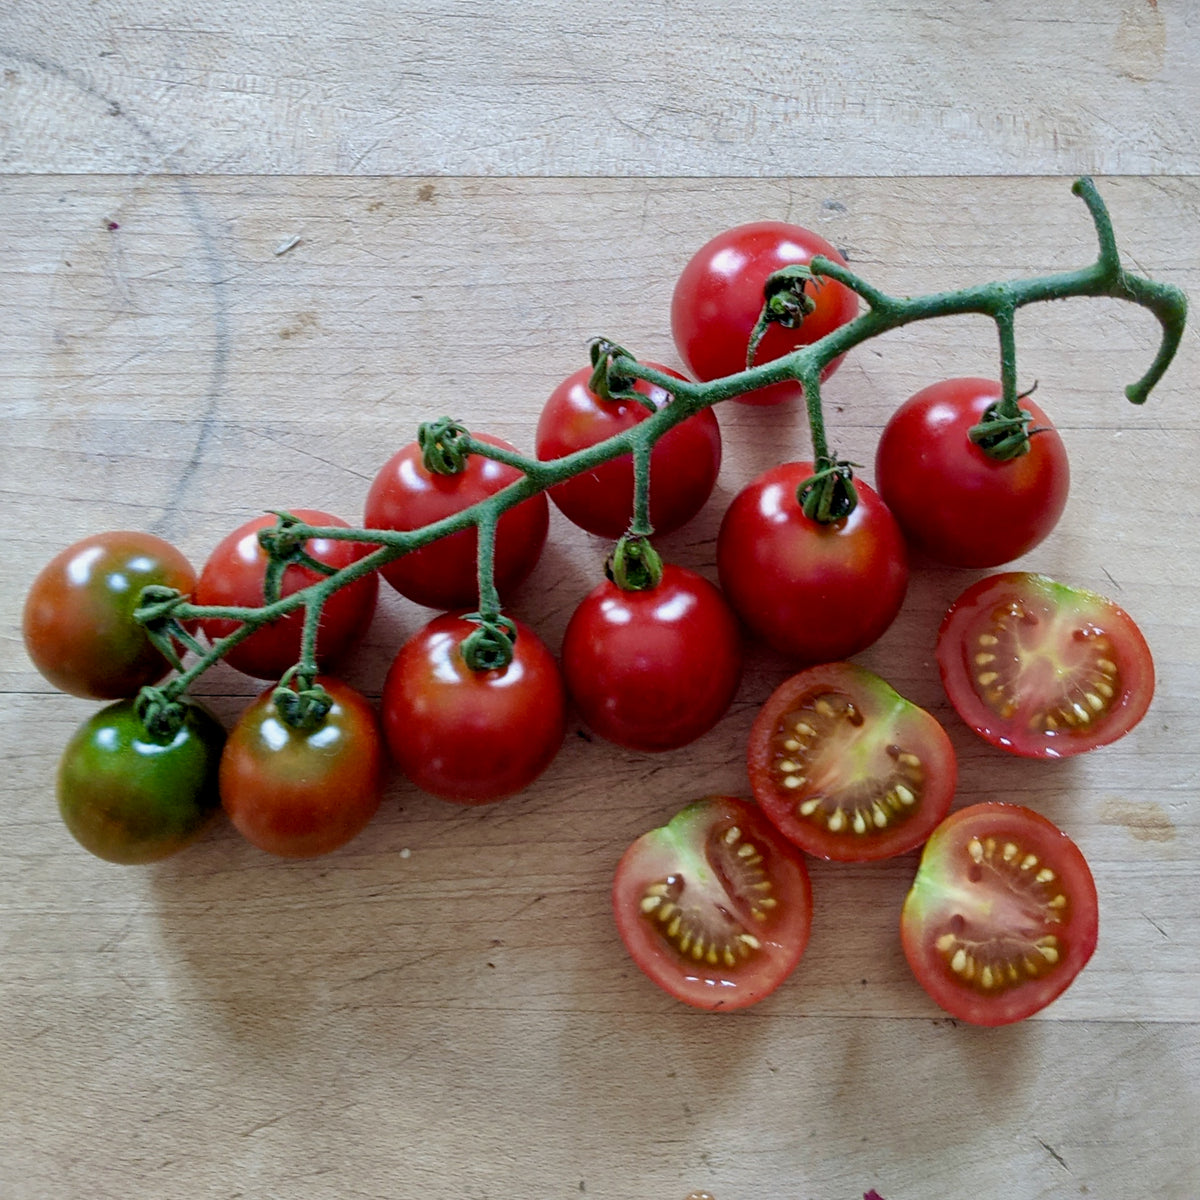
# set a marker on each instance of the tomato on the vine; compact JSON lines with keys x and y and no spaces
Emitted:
{"x":1002,"y":915}
{"x":848,"y":769}
{"x":653,"y":669}
{"x":683,"y":464}
{"x":78,"y":619}
{"x":130,"y":795}
{"x":715,"y":907}
{"x":954,"y":501}
{"x":1043,"y":669}
{"x":472,"y":736}
{"x":406,"y":495}
{"x":235,"y":575}
{"x":299,"y":791}
{"x":815,"y":592}
{"x":719,"y":297}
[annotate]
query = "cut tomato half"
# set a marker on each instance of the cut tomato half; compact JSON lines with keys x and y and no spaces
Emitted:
{"x":848,"y":769}
{"x":1042,"y":669}
{"x":715,"y":907}
{"x":1002,"y":915}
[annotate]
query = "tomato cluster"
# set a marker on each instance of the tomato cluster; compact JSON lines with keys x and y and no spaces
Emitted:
{"x":716,"y":905}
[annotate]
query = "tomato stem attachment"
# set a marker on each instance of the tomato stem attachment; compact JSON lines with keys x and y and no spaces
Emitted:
{"x":444,"y":446}
{"x":302,"y":703}
{"x":828,"y":495}
{"x":160,"y":712}
{"x":490,"y":646}
{"x":634,"y":565}
{"x":786,"y":303}
{"x":606,"y":380}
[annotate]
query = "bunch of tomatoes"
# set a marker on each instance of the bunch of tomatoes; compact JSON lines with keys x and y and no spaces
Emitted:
{"x":715,"y":906}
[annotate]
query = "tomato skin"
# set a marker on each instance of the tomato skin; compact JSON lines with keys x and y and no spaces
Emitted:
{"x":235,"y":574}
{"x":816,"y":593}
{"x":693,"y":863}
{"x":1017,"y":646}
{"x":968,"y":896}
{"x":406,"y":495}
{"x":863,"y":746}
{"x":953,"y":501}
{"x":130,"y":797}
{"x":654,"y":669}
{"x":78,"y":618}
{"x":683,"y":464}
{"x":300,"y":793}
{"x":719,"y":295}
{"x":472,"y":737}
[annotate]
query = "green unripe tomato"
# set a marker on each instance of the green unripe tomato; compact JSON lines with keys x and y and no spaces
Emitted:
{"x":129,"y":796}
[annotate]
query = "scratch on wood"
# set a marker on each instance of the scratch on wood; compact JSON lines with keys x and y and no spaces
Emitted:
{"x":1054,"y":1154}
{"x":284,"y":247}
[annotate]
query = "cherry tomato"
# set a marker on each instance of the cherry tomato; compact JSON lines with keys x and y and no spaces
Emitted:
{"x":846,"y":768}
{"x":444,"y":574}
{"x":653,"y":669}
{"x":683,"y":464}
{"x":236,"y":572}
{"x":814,"y":592}
{"x":954,"y":501}
{"x":1002,"y":915}
{"x":130,"y":796}
{"x":715,"y":907}
{"x":299,"y":792}
{"x":719,"y":296}
{"x":78,"y":619}
{"x":470,"y":736}
{"x":1042,"y":669}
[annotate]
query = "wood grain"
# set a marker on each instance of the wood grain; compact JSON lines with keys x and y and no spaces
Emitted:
{"x":443,"y":1008}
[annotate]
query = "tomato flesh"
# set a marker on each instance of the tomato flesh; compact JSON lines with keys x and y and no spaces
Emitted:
{"x":714,"y":907}
{"x":1042,"y":669}
{"x":1002,"y":915}
{"x":848,"y":769}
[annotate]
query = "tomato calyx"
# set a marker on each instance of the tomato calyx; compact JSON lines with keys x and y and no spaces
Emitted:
{"x":301,"y":702}
{"x":444,"y":446}
{"x":607,"y":382}
{"x":786,"y":303}
{"x":828,"y":495}
{"x":489,"y":647}
{"x":634,"y":565}
{"x":160,"y":713}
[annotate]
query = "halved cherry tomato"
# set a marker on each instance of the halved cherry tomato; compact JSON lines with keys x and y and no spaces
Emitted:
{"x":719,"y":296}
{"x":683,"y":464}
{"x":815,"y":592}
{"x":653,"y":669}
{"x":235,"y":576}
{"x":1002,"y":915}
{"x":1042,"y":669}
{"x":715,"y":907}
{"x":78,"y":618}
{"x":953,"y":500}
{"x":848,"y":769}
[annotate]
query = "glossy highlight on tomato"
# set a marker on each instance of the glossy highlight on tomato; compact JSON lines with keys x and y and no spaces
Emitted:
{"x":128,"y":795}
{"x":846,"y":768}
{"x":654,"y":669}
{"x":406,"y":495}
{"x":1002,"y":915}
{"x":813,"y":592}
{"x":78,"y":618}
{"x":683,"y":464}
{"x":468,"y":736}
{"x":301,"y":791}
{"x":1043,"y":669}
{"x":715,"y":907}
{"x":719,"y":296}
{"x":954,"y":501}
{"x":235,"y":576}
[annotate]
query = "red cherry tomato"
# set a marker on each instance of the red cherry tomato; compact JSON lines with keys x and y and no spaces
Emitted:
{"x":719,"y":296}
{"x":846,"y":768}
{"x":1002,"y":915}
{"x":715,"y":907}
{"x":683,"y":464}
{"x":444,"y":574}
{"x":653,"y":669}
{"x":235,"y":575}
{"x":815,"y":592}
{"x":470,"y":736}
{"x":954,"y":501}
{"x":78,"y":619}
{"x":302,"y":792}
{"x":1042,"y":669}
